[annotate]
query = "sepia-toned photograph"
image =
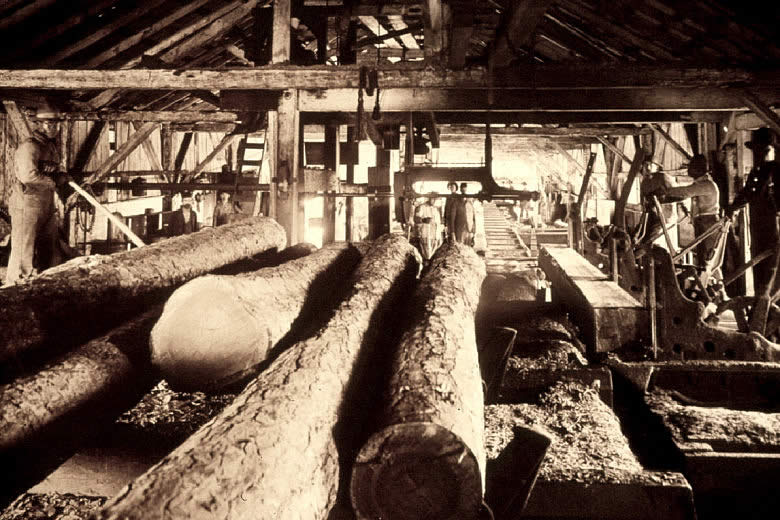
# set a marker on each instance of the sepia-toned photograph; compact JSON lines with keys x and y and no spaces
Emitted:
{"x":389,"y":260}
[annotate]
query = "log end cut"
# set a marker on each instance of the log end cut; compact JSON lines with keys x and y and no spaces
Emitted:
{"x":190,"y":345}
{"x":416,"y":470}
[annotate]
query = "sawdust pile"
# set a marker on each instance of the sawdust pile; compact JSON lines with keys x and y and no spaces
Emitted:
{"x":722,"y":428}
{"x":33,"y":506}
{"x":588,"y":445}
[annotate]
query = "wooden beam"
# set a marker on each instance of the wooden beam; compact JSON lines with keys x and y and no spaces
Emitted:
{"x":397,"y":23}
{"x":523,"y":21}
{"x":279,"y":77}
{"x":194,"y":116}
{"x":677,"y":147}
{"x":151,"y":154}
{"x":166,"y":147}
{"x":614,"y":149}
{"x":121,"y":153}
{"x":387,"y":37}
{"x":18,"y":119}
{"x":24,"y":12}
{"x":762,"y":110}
{"x":182,"y":153}
{"x":576,"y":131}
{"x":201,"y":167}
{"x":373,"y":25}
{"x":371,"y":129}
{"x":280,"y":47}
{"x":104,"y":31}
{"x":436,"y":16}
{"x":433,"y":129}
{"x":399,"y":100}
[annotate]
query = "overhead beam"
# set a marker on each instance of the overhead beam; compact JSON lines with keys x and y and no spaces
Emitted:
{"x":426,"y":99}
{"x":170,"y":116}
{"x":762,"y":110}
{"x":279,"y":77}
{"x":545,"y":132}
{"x":523,"y":21}
{"x":23,"y":12}
{"x":373,"y":25}
{"x":750,"y":121}
{"x":397,"y":23}
{"x":677,"y":147}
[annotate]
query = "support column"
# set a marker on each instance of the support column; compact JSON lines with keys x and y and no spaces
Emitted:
{"x":286,"y":188}
{"x":379,"y":207}
{"x":350,"y":206}
{"x":332,"y":158}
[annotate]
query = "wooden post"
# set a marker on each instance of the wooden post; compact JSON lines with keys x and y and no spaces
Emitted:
{"x":350,"y":206}
{"x":332,"y":160}
{"x":743,"y":227}
{"x":287,"y":164}
{"x":379,"y":207}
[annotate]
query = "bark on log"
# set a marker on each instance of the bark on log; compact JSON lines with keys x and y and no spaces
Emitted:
{"x":107,"y":374}
{"x":272,"y":452}
{"x":216,"y":330}
{"x":428,"y":458}
{"x":81,"y":298}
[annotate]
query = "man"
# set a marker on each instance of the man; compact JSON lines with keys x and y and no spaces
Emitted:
{"x":449,"y":211}
{"x":184,"y":221}
{"x":655,"y":182}
{"x":33,"y":215}
{"x":427,"y":221}
{"x":705,"y":198}
{"x":465,"y":222}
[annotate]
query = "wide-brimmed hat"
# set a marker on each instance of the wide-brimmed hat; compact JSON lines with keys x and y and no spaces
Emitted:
{"x":762,"y":138}
{"x":46,"y":111}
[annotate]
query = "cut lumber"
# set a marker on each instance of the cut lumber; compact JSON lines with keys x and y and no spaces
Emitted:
{"x":273,"y":452}
{"x":216,"y":330}
{"x":428,"y":458}
{"x":109,"y":373}
{"x":80,"y":299}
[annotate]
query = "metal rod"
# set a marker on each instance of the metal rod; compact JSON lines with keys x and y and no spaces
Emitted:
{"x":755,"y":260}
{"x":652,"y":304}
{"x":661,"y":216}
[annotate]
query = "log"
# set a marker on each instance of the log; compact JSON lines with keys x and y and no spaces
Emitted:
{"x":428,"y":458}
{"x":78,"y":300}
{"x":273,"y":452}
{"x":109,"y":373}
{"x":216,"y":330}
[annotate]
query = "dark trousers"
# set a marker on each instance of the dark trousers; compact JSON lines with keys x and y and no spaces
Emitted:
{"x":700,"y":225}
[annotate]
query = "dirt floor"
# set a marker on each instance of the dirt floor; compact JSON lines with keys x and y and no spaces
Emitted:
{"x":161,"y":417}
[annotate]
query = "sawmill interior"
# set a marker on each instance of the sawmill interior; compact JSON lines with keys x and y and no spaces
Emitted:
{"x":365,"y":259}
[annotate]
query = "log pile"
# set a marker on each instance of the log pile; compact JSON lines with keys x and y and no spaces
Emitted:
{"x":272,"y":452}
{"x":215,"y":330}
{"x":65,"y":306}
{"x":427,"y":460}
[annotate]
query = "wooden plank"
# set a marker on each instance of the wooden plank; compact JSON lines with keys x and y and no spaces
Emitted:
{"x":90,"y":145}
{"x":608,"y":316}
{"x":182,"y":153}
{"x":523,"y":21}
{"x":677,"y":147}
{"x":122,"y":152}
{"x":614,"y":149}
{"x":577,"y":268}
{"x":575,"y":131}
{"x":278,"y":77}
{"x":397,"y":23}
{"x":108,"y":214}
{"x":151,"y":153}
{"x":54,"y":31}
{"x":434,"y":13}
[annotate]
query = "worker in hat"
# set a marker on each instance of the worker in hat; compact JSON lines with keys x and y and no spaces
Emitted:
{"x":705,"y":198}
{"x":765,"y":175}
{"x":428,"y":227}
{"x":34,"y":239}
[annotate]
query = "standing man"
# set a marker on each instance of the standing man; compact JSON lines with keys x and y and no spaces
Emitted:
{"x":705,"y":198}
{"x":465,"y":218}
{"x":33,"y":216}
{"x":449,"y":211}
{"x":427,"y":221}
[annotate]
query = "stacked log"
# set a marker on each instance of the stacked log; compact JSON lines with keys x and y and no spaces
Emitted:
{"x":69,"y":304}
{"x":216,"y":330}
{"x":272,"y":452}
{"x":428,"y":458}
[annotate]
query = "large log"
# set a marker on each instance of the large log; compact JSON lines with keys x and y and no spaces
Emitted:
{"x":76,"y":301}
{"x":109,"y":373}
{"x":273,"y":452}
{"x":428,"y":458}
{"x":216,"y":330}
